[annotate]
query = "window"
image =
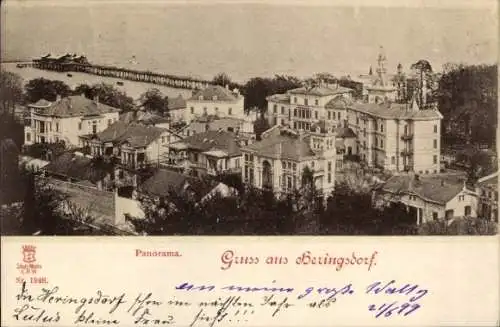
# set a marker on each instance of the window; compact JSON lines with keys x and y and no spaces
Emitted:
{"x":163,"y":139}
{"x":316,"y":114}
{"x":205,"y":110}
{"x":282,"y":122}
{"x":94,"y":127}
{"x":230,"y":111}
{"x":216,"y":111}
{"x":275,"y":108}
{"x":316,"y":102}
{"x":382,"y":144}
{"x":80,"y":126}
{"x":295,"y":112}
{"x":329,"y":178}
{"x":237,"y":163}
{"x":434,"y":216}
{"x":306,"y":102}
{"x":357,"y":121}
{"x":294,"y":99}
{"x":28,"y":137}
{"x":192,"y":110}
{"x":435,"y":128}
{"x":467,"y":210}
{"x":329,"y":166}
{"x":435,"y":159}
{"x":282,"y":110}
{"x":393,"y":160}
{"x":110,"y":122}
{"x":382,"y":128}
{"x":435,"y":144}
{"x":329,"y":115}
{"x":57,"y":127}
{"x":338,"y":115}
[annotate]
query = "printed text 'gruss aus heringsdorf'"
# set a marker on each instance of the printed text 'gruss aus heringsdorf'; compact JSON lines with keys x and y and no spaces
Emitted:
{"x":230,"y":258}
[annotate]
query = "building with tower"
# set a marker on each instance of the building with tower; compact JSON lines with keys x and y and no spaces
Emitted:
{"x":391,"y":132}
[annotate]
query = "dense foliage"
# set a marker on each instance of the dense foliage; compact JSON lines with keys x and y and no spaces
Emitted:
{"x":11,"y":91}
{"x":459,"y":226}
{"x":42,"y":88}
{"x":107,"y":94}
{"x":348,"y":211}
{"x":257,"y":89}
{"x":468,"y":100}
{"x":154,"y":100}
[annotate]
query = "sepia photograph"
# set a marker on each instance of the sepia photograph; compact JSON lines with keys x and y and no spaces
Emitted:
{"x":152,"y":118}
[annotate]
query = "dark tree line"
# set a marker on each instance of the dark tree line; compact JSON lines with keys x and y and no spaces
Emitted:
{"x":468,"y":100}
{"x":254,"y":211}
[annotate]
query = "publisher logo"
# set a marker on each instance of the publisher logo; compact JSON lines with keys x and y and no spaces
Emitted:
{"x":29,"y":252}
{"x":29,"y":264}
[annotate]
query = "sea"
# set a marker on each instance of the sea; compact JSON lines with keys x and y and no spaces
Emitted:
{"x":246,"y":40}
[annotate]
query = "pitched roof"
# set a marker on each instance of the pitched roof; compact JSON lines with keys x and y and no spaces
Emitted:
{"x":176,"y":103}
{"x":395,"y":111}
{"x":339,"y":102}
{"x":436,"y":188}
{"x":282,"y":98}
{"x":213,"y":140}
{"x":137,"y":135}
{"x":344,"y":132}
{"x":75,"y":166}
{"x":320,"y":90}
{"x":163,"y":181}
{"x":214,"y":93}
{"x":75,"y":106}
{"x":283,"y":146}
{"x":491,"y":179}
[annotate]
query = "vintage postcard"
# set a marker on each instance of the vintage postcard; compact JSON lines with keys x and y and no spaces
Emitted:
{"x":258,"y":163}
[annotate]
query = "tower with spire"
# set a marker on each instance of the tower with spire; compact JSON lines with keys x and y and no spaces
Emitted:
{"x":382,"y":89}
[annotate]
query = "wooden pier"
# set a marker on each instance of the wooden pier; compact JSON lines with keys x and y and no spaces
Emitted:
{"x":122,"y":73}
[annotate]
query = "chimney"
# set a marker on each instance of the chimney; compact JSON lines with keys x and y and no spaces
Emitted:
{"x":279,"y":150}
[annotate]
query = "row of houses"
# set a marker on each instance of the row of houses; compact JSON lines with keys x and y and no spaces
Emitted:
{"x":321,"y":128}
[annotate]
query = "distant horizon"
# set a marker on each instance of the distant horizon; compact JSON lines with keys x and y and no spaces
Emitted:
{"x":252,"y":40}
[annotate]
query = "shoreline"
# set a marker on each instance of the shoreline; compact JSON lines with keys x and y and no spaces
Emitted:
{"x":133,"y":89}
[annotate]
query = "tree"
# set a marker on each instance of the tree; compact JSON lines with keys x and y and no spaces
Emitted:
{"x":257,"y":89}
{"x":468,"y":99}
{"x":222,"y":79}
{"x":260,"y":126}
{"x":11,"y":91}
{"x":424,"y":69}
{"x":153,"y":100}
{"x":42,"y":88}
{"x":108,"y":95}
{"x":459,"y":226}
{"x":9,"y":172}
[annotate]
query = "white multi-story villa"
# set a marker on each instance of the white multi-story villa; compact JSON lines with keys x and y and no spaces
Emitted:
{"x":277,"y":162}
{"x":389,"y":135}
{"x":217,"y":101}
{"x":67,"y":119}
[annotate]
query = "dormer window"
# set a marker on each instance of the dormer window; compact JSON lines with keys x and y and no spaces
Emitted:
{"x":214,"y":98}
{"x":200,"y":97}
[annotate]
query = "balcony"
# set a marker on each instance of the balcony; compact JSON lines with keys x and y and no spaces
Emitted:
{"x":407,"y":137}
{"x":407,"y":152}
